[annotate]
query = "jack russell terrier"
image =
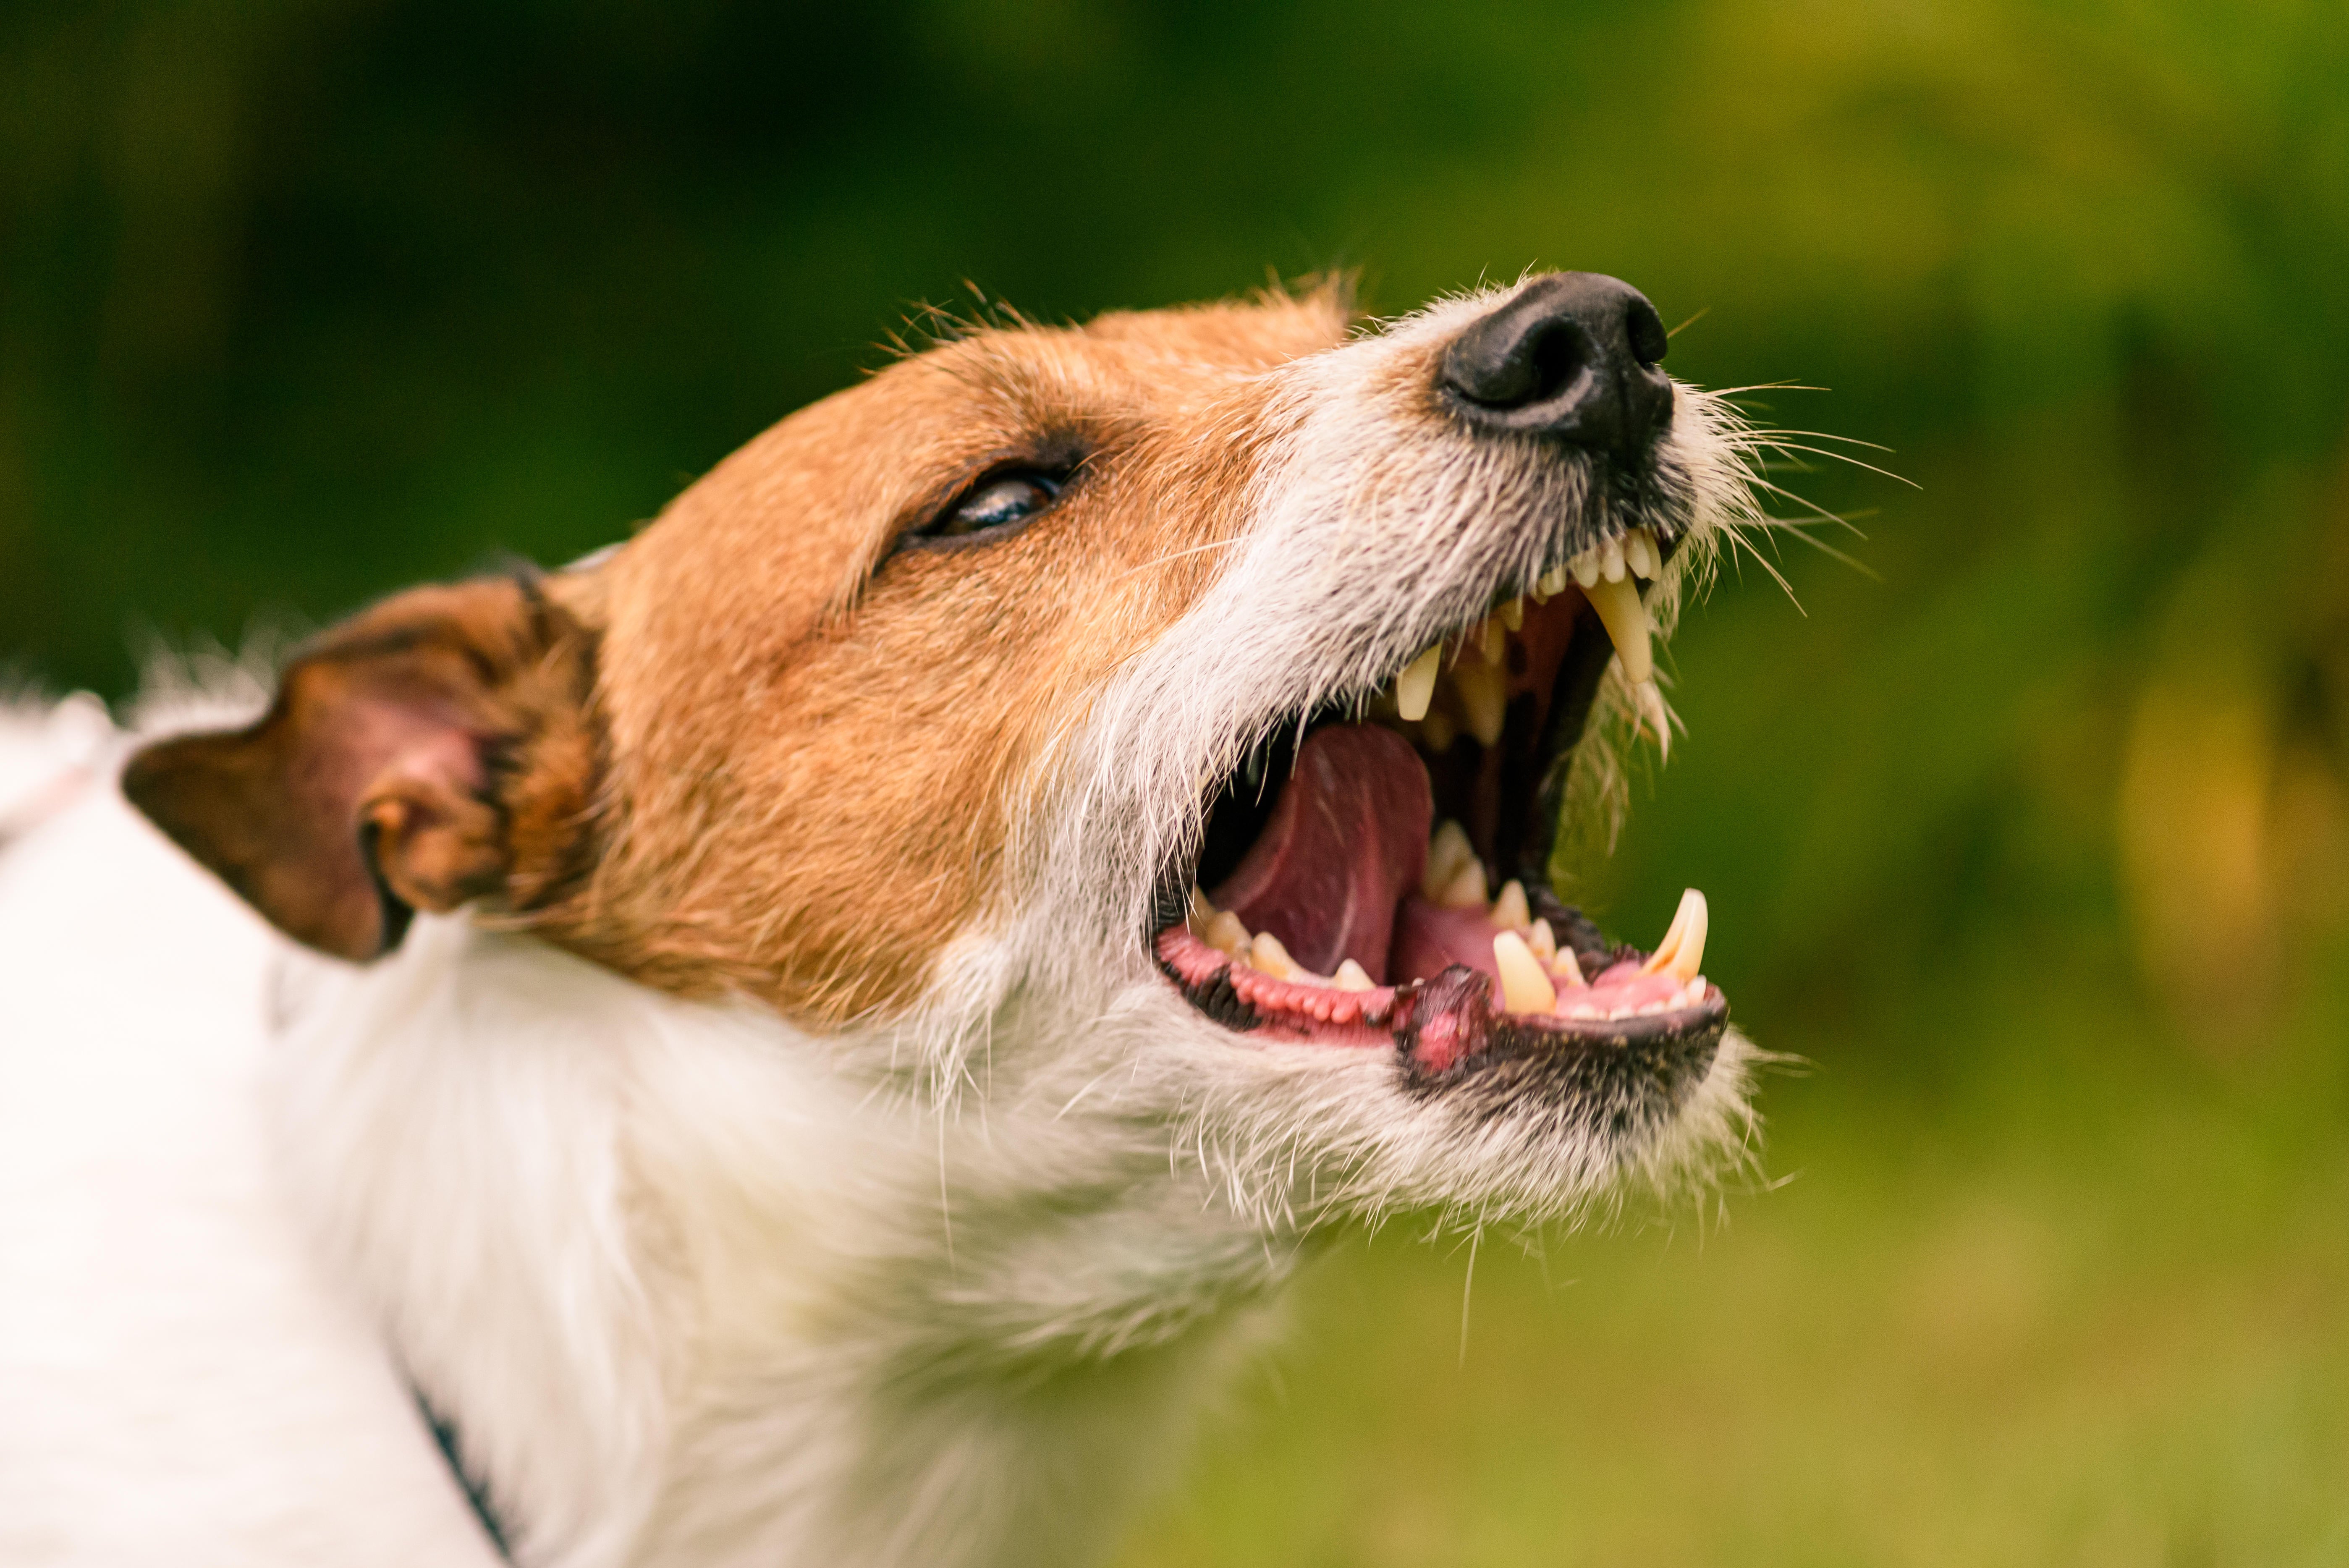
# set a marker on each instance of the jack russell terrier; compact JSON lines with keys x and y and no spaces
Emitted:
{"x":812,"y":1037}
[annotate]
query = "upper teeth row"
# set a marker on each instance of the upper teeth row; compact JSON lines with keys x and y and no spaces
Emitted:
{"x":1608,"y":575}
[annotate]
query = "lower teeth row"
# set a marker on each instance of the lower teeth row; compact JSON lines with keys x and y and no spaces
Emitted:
{"x":1537,"y":976}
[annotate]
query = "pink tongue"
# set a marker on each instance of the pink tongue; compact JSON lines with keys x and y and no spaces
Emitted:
{"x":1428,"y":937}
{"x":1348,"y":837}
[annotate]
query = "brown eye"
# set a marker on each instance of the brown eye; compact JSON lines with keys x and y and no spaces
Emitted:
{"x":994,"y":507}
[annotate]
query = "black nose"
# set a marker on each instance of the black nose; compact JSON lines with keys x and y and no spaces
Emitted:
{"x":1571,"y":357}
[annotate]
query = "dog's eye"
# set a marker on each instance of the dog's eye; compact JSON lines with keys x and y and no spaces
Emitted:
{"x":994,"y":507}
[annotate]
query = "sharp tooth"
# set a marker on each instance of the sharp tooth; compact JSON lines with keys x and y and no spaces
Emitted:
{"x":1681,"y":953}
{"x":1552,"y":584}
{"x":1439,"y":732}
{"x":1493,"y":640}
{"x":1416,"y":685}
{"x":1201,"y":911}
{"x":1513,"y":614}
{"x":1466,"y":888}
{"x":1650,"y":704}
{"x":1448,"y":850}
{"x":1611,"y":560}
{"x":1267,"y":954}
{"x":1567,"y":973}
{"x":1483,"y":694}
{"x":1626,"y":618}
{"x":1652,"y":556}
{"x":1586,"y":568}
{"x":1541,"y":940}
{"x":1509,"y":909}
{"x":1351,"y":977}
{"x":1524,"y":987}
{"x":1227,"y":932}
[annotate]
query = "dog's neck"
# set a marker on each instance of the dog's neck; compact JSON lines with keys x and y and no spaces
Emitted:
{"x":680,"y":1282}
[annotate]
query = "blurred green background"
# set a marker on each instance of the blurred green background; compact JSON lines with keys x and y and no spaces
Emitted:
{"x":2034,"y":842}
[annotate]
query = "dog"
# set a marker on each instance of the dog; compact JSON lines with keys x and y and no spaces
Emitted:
{"x":816,"y":1034}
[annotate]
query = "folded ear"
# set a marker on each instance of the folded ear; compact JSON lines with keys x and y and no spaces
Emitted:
{"x":435,"y":749}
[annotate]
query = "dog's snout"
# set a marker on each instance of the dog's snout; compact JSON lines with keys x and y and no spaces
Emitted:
{"x":1572,"y":356}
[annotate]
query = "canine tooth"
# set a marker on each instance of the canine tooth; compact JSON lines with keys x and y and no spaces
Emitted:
{"x":1524,"y":987}
{"x":1650,"y":704}
{"x":1626,"y":619}
{"x":1416,"y":686}
{"x":1439,"y":732}
{"x":1513,"y":614}
{"x":1352,"y":977}
{"x":1681,"y":952}
{"x":1225,"y":932}
{"x":1586,"y":568}
{"x":1267,"y":954}
{"x":1552,"y":584}
{"x":1540,"y":939}
{"x":1201,"y":911}
{"x":1466,"y":888}
{"x":1568,"y":972}
{"x":1611,"y":560}
{"x":1483,"y":693}
{"x":1448,"y":850}
{"x":1509,"y":909}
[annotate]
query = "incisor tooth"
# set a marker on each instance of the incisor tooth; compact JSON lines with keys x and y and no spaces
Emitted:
{"x":1351,"y":976}
{"x":1652,"y":559}
{"x":1267,"y":954}
{"x":1552,"y":584}
{"x":1225,"y":932}
{"x":1649,"y":702}
{"x":1641,"y":555}
{"x":1448,"y":850}
{"x":1466,"y":888}
{"x":1513,"y":614}
{"x":1586,"y":568}
{"x":1540,"y":940}
{"x":1567,"y":971}
{"x":1611,"y":560}
{"x":1493,"y":640}
{"x":1509,"y":909}
{"x":1524,"y":987}
{"x":1416,"y":685}
{"x":1626,"y":619}
{"x":1681,"y":953}
{"x":1201,"y":911}
{"x":1483,"y":694}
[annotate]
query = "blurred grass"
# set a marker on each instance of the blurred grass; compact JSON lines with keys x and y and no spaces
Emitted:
{"x":2109,"y":1334}
{"x":2034,"y":838}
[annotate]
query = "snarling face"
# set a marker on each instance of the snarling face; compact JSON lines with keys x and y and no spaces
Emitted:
{"x":1182,"y":711}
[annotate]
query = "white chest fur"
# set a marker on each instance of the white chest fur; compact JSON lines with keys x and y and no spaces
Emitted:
{"x":693,"y":1294}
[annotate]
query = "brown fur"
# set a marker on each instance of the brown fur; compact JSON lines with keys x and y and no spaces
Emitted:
{"x":811,"y":744}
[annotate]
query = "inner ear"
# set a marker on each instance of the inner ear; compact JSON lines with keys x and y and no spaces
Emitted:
{"x":436,"y":750}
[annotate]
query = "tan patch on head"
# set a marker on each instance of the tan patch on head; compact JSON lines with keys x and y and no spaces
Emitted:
{"x":813,"y":759}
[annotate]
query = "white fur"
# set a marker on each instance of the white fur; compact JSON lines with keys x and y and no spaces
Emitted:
{"x":698,"y":1288}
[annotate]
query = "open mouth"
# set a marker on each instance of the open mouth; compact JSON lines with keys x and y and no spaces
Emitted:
{"x":1383,"y":880}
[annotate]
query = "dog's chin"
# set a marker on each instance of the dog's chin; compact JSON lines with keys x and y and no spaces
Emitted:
{"x":1372,"y":887}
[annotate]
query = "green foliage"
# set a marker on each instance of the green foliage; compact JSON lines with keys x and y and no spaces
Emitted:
{"x":2034,"y":837}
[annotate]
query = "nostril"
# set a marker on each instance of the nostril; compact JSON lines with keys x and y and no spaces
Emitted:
{"x":1645,"y":330}
{"x":1513,"y":368}
{"x":1557,"y":356}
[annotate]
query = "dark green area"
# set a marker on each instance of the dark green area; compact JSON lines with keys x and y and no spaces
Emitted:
{"x":2034,"y":838}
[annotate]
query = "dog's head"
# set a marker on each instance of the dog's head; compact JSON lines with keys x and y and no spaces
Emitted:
{"x":1181,"y":707}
